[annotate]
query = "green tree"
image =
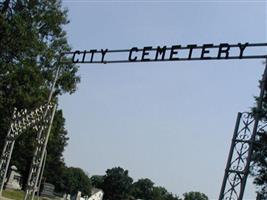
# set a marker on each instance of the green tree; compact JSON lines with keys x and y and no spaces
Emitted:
{"x":31,"y":39}
{"x":97,"y":181}
{"x":160,"y":193}
{"x":76,"y":180}
{"x":117,"y":184}
{"x":259,"y":166}
{"x":55,"y":165}
{"x":195,"y":196}
{"x":259,"y":161}
{"x":143,"y":189}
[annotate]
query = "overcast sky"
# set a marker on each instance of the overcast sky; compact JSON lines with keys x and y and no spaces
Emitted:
{"x":171,"y":122}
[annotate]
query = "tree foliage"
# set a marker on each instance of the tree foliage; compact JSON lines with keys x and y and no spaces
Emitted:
{"x":260,"y":165}
{"x":97,"y":181}
{"x":160,"y":193}
{"x":76,"y":180}
{"x":55,"y":165}
{"x":259,"y":156}
{"x":31,"y":39}
{"x":143,"y":189}
{"x":117,"y":184}
{"x":195,"y":196}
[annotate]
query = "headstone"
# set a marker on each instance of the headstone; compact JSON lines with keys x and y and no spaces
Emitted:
{"x":48,"y":190}
{"x":78,"y":196}
{"x":68,"y":197}
{"x":14,"y":179}
{"x":96,"y":194}
{"x":65,"y":196}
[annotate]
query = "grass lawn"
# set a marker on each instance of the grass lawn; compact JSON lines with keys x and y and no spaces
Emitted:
{"x":19,"y":195}
{"x":13,"y":194}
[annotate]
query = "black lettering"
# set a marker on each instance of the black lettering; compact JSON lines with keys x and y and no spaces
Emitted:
{"x":130,"y":54}
{"x":92,"y":51}
{"x":103,"y":52}
{"x":73,"y":57}
{"x":191,"y":47}
{"x":174,"y":52}
{"x":84,"y":54}
{"x":145,"y":52}
{"x":205,"y":51}
{"x":242,"y":48}
{"x":160,"y":51}
{"x":223,"y":48}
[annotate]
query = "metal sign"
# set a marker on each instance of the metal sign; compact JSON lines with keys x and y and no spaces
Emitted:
{"x":164,"y":53}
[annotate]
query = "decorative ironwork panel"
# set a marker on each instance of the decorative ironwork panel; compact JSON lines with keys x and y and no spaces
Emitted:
{"x":24,"y":120}
{"x":38,"y":157}
{"x":239,"y":159}
{"x":262,"y":128}
{"x":20,"y":122}
{"x":36,"y":162}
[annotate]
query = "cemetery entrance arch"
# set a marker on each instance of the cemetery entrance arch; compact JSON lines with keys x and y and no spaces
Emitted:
{"x":247,"y":126}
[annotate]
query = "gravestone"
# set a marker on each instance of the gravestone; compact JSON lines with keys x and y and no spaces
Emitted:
{"x":96,"y":194}
{"x":68,"y":197}
{"x":78,"y":196}
{"x":14,"y":179}
{"x":48,"y":190}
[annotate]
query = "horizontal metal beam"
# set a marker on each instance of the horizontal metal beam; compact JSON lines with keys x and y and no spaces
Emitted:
{"x":191,"y":52}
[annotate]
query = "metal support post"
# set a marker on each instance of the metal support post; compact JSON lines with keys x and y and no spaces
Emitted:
{"x":3,"y":164}
{"x":5,"y":160}
{"x":38,"y":153}
{"x":239,"y":158}
{"x":43,"y":149}
{"x":41,"y":175}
